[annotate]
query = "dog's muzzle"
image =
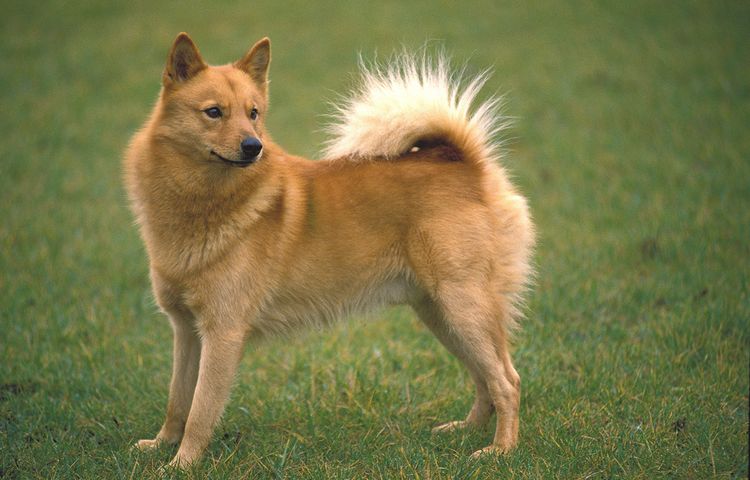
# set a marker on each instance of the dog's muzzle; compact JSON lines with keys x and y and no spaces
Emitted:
{"x":251,"y":148}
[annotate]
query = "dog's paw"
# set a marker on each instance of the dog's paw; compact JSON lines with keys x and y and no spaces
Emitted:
{"x":451,"y":426}
{"x":147,"y":444}
{"x":491,"y":451}
{"x":168,"y":470}
{"x":486,"y":452}
{"x":179,"y":462}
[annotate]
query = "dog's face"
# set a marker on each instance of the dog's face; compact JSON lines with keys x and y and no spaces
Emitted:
{"x":215,"y":114}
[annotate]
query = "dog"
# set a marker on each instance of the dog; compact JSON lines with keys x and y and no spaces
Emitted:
{"x":408,"y":206}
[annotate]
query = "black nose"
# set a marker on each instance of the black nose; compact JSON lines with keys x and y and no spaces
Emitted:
{"x":251,"y":147}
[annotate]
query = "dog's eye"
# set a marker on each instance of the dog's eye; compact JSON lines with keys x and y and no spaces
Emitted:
{"x":253,"y":113}
{"x":213,"y":112}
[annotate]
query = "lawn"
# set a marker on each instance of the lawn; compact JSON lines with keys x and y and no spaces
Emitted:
{"x":630,"y":140}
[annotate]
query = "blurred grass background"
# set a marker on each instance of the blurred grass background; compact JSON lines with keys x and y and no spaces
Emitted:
{"x":631,"y":142}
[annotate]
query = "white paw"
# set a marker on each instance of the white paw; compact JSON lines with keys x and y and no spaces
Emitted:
{"x":450,"y":426}
{"x":146,"y":444}
{"x":492,"y":450}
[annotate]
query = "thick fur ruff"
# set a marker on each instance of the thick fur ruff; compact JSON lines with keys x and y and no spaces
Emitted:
{"x":410,"y":207}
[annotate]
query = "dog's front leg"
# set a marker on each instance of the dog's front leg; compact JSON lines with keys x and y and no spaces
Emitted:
{"x":220,"y":354}
{"x":186,"y":355}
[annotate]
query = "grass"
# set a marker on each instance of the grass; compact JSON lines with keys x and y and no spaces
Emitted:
{"x":631,"y":143}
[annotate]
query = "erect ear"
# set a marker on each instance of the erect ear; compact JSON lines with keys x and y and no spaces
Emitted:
{"x":183,"y":62}
{"x":256,"y":60}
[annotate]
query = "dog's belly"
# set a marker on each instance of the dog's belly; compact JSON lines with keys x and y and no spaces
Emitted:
{"x":299,"y":308}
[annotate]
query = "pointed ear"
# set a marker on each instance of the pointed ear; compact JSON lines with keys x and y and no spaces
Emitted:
{"x":183,"y":62}
{"x":256,"y":61}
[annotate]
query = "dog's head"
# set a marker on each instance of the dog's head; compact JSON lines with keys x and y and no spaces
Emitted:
{"x":215,"y":113}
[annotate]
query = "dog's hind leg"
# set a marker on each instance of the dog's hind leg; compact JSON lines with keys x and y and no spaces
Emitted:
{"x":506,"y":395}
{"x":186,"y":356}
{"x":482,"y":409}
{"x":473,"y":327}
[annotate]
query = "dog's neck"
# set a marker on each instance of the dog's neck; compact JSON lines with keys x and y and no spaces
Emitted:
{"x":223,"y":203}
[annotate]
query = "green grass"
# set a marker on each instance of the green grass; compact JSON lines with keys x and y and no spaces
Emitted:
{"x":631,"y":142}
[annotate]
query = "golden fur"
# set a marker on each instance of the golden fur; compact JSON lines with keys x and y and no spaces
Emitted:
{"x":410,"y":207}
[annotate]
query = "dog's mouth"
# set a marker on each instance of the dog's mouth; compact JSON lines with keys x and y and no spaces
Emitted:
{"x":235,"y":163}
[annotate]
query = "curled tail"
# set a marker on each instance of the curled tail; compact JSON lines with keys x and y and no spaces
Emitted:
{"x":410,"y":101}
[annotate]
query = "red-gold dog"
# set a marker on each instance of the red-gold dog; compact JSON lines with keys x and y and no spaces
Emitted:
{"x":409,"y":207}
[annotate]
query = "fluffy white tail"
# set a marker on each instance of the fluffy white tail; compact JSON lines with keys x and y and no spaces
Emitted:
{"x":414,"y":99}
